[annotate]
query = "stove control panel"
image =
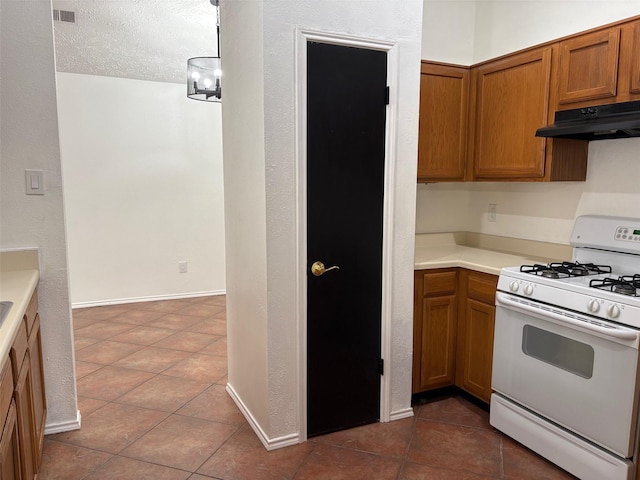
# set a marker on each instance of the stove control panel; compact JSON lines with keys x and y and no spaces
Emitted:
{"x":615,"y":234}
{"x":628,"y":234}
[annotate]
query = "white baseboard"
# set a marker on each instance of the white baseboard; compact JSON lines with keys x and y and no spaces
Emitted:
{"x":268,"y":443}
{"x":60,"y":427}
{"x":400,"y":414}
{"x":154,"y":298}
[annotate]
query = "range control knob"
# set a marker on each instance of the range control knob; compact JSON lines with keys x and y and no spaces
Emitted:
{"x":514,"y":285}
{"x":528,"y":289}
{"x":613,"y":311}
{"x":593,"y":305}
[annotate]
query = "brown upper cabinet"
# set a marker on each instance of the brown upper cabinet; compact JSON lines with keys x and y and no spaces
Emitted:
{"x":444,"y":99}
{"x":589,"y":67}
{"x":600,"y":67}
{"x":511,"y":98}
{"x":514,"y":95}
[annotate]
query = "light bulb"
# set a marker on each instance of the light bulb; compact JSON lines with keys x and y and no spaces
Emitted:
{"x":217,"y":72}
{"x":195,"y":76}
{"x":207,"y":82}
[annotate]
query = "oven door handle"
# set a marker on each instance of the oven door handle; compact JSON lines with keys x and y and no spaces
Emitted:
{"x":617,"y":333}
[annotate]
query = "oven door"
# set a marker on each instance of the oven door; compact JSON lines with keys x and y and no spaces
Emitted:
{"x":573,"y":370}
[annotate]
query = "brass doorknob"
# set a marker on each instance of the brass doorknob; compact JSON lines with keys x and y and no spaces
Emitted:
{"x":318,"y":268}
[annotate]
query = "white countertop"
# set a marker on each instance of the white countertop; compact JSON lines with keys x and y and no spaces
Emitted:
{"x":444,"y":251}
{"x":18,"y":281}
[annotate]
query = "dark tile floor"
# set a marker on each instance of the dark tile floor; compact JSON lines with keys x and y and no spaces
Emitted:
{"x":151,"y":379}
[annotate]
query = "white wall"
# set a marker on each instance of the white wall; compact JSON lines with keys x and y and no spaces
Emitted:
{"x":245,"y":210}
{"x":465,"y":32}
{"x":448,"y":31}
{"x":142,"y":168}
{"x":538,"y":211}
{"x":277,"y":280}
{"x":29,"y":139}
{"x":509,"y":25}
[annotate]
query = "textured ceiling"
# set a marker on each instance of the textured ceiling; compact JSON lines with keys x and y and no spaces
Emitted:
{"x":139,"y":39}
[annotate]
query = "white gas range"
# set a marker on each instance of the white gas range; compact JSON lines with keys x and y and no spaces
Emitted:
{"x":565,"y":364}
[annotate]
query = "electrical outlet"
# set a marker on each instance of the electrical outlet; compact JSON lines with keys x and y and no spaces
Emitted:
{"x":492,"y":212}
{"x":183,"y":266}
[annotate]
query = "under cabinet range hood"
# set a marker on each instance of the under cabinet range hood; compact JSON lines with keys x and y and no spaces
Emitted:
{"x":616,"y":120}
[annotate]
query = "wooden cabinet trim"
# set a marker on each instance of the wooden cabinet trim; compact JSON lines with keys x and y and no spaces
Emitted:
{"x":9,"y":447}
{"x":635,"y":61}
{"x":569,"y":69}
{"x":18,"y":350}
{"x":30,"y":313}
{"x":6,"y":390}
{"x":23,"y":396}
{"x":37,"y":389}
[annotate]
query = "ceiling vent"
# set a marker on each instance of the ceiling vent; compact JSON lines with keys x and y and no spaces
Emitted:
{"x":64,"y":16}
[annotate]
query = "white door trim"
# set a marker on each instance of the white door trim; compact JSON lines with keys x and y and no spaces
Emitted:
{"x":302,"y":36}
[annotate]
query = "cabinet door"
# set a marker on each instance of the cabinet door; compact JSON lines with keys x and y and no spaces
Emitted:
{"x":24,"y":409}
{"x":475,"y":333}
{"x":476,"y":352}
{"x":437,"y":360}
{"x":511,"y":102}
{"x":434,"y":328}
{"x":9,"y":453}
{"x":444,"y":102}
{"x":37,"y":388}
{"x":589,"y":67}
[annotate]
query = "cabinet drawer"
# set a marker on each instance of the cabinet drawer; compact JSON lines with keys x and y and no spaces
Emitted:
{"x":6,"y":391}
{"x":482,"y":287}
{"x":18,"y":350}
{"x":440,"y":283}
{"x":32,"y":310}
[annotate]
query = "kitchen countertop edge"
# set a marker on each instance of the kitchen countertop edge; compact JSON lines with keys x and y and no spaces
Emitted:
{"x":16,"y":286}
{"x":442,"y":251}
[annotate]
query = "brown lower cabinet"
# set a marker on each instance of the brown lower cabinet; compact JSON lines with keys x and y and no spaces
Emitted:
{"x":454,"y":317}
{"x":22,"y":401}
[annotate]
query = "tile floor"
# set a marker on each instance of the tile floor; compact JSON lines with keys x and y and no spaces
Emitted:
{"x":151,"y":380}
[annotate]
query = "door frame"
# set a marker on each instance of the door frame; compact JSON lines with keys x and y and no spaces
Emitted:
{"x":302,"y":36}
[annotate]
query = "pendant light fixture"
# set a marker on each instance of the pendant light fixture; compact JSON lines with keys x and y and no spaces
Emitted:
{"x":204,"y":74}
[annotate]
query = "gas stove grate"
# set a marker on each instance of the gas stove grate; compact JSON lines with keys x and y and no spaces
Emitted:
{"x":565,"y":269}
{"x":628,"y":285}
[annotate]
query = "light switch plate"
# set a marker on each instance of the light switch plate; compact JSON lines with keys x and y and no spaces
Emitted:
{"x":34,"y":182}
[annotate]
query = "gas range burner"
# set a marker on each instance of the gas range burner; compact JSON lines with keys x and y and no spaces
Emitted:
{"x":565,"y":269}
{"x":625,"y":285}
